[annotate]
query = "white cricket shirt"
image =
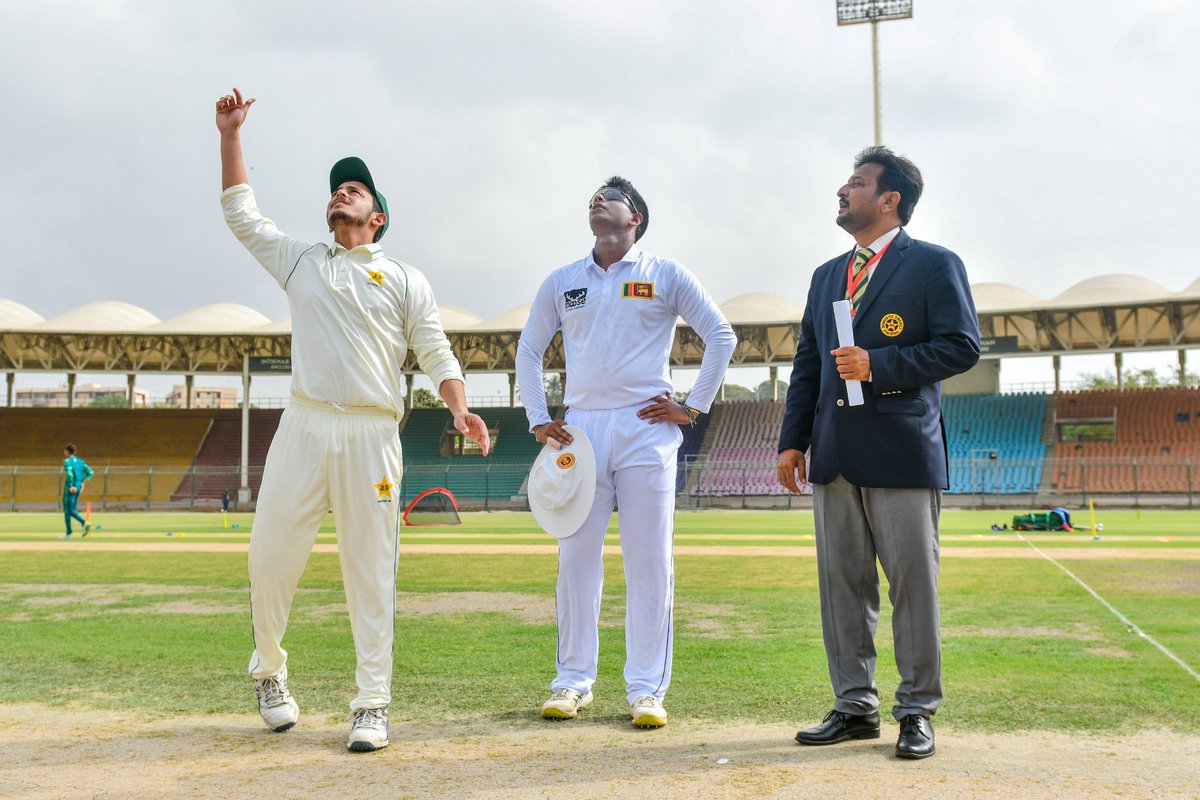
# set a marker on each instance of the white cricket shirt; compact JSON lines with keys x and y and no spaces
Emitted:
{"x":355,"y":313}
{"x":618,"y":326}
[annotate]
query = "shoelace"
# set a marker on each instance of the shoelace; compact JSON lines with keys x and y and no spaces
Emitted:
{"x":565,"y":694}
{"x":913,"y":724}
{"x":648,"y":700}
{"x":370,"y":718}
{"x":272,"y":691}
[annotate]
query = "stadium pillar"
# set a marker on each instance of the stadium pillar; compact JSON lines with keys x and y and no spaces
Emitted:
{"x":189,"y":382}
{"x":130,"y":381}
{"x":12,"y":376}
{"x":1057,"y":374}
{"x":408,"y":383}
{"x":70,"y":390}
{"x":512,"y":390}
{"x":1182,"y":370}
{"x":774,"y":373}
{"x":1119,"y":361}
{"x":244,"y":489}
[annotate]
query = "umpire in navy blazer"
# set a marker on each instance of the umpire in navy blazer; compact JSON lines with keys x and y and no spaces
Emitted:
{"x":878,"y":468}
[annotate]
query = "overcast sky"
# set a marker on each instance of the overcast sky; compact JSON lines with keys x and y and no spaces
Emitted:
{"x":1057,"y":139}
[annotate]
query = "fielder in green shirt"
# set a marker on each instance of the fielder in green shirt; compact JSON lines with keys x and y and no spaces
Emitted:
{"x":77,"y":473}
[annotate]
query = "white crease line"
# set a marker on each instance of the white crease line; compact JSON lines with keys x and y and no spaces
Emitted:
{"x":1109,"y":606}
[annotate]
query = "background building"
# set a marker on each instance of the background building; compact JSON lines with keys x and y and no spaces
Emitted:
{"x":86,"y":394}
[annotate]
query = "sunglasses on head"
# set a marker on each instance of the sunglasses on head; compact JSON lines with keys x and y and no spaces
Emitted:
{"x":613,"y":193}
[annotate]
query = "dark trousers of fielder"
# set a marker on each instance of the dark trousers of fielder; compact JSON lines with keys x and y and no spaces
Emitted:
{"x":70,"y":510}
{"x":854,"y":526}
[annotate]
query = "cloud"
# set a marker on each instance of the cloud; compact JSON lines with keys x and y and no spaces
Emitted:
{"x":1055,"y":146}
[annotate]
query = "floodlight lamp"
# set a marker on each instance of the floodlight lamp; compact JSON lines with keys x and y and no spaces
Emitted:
{"x":853,"y":12}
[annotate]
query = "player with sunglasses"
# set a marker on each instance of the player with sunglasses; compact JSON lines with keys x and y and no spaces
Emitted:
{"x":616,"y":309}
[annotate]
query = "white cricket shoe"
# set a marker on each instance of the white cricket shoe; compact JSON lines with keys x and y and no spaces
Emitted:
{"x":275,"y":703}
{"x":565,"y":704}
{"x":648,"y":712}
{"x":369,"y":730}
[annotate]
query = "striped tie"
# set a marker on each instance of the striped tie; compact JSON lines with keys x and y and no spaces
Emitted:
{"x":864,"y":255}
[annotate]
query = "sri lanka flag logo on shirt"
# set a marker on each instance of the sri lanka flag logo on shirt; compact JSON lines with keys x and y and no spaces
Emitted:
{"x":640,"y":291}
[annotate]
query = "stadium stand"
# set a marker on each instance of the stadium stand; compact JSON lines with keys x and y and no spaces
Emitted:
{"x":741,"y":459}
{"x":1136,"y":441}
{"x":222,"y":449}
{"x":1148,"y":438}
{"x":742,"y":455}
{"x":428,"y":442}
{"x":995,"y":442}
{"x":119,"y":444}
{"x":693,"y":438}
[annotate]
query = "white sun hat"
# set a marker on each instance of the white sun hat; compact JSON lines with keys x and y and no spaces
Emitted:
{"x":562,"y":485}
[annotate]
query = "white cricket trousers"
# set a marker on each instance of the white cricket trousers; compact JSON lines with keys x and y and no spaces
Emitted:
{"x":635,"y":466}
{"x":347,"y":460}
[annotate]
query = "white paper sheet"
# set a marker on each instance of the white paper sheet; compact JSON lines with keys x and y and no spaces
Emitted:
{"x":845,"y":332}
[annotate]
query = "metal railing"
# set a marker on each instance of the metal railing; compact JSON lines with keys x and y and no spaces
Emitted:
{"x":984,"y":482}
{"x":124,"y":487}
{"x":480,"y":483}
{"x":476,"y":483}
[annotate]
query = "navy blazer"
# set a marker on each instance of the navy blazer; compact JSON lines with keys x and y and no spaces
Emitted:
{"x":918,"y":322}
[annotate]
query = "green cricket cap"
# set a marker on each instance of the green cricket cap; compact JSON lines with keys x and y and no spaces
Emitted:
{"x":353,"y":168}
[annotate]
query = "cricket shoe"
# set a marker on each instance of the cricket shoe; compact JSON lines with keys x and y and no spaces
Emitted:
{"x":369,"y":730}
{"x":275,"y":703}
{"x":648,"y":712}
{"x":565,"y":704}
{"x":87,"y":528}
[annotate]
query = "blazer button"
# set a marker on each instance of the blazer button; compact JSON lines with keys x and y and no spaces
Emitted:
{"x":841,"y":402}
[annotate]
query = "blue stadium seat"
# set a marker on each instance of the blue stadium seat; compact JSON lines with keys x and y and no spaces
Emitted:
{"x":994,"y":442}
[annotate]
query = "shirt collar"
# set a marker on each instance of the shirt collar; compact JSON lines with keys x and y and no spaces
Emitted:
{"x":631,"y":256}
{"x":882,"y":241}
{"x":370,"y":251}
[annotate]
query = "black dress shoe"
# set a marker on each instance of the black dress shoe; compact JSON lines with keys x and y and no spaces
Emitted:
{"x":838,"y":726}
{"x":916,"y":737}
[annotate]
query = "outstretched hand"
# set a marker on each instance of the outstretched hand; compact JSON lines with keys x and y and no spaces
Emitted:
{"x":232,"y":111}
{"x":474,"y":428}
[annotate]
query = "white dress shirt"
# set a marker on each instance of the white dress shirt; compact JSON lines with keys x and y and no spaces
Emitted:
{"x":355,"y":313}
{"x":875,"y":247}
{"x":618,"y":327}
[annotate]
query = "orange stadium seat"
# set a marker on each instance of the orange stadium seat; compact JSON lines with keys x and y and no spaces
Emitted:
{"x":119,"y":444}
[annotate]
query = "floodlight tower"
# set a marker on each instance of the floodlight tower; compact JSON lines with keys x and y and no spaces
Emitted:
{"x":855,"y":12}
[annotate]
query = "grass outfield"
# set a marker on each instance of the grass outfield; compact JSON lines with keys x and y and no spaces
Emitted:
{"x":1023,"y":645}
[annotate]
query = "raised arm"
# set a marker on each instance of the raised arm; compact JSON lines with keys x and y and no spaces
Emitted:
{"x":232,"y":111}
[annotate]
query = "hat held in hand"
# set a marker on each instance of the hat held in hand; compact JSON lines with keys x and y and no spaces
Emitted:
{"x":562,"y":485}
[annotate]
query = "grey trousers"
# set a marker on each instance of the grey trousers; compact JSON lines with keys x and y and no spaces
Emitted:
{"x":900,"y":527}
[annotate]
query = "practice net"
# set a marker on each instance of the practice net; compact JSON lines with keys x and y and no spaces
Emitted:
{"x":432,"y":507}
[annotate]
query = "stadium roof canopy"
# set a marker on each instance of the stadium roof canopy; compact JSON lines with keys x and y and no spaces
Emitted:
{"x":1109,"y":313}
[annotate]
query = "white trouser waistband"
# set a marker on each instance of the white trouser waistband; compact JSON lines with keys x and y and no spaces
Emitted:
{"x":341,"y":408}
